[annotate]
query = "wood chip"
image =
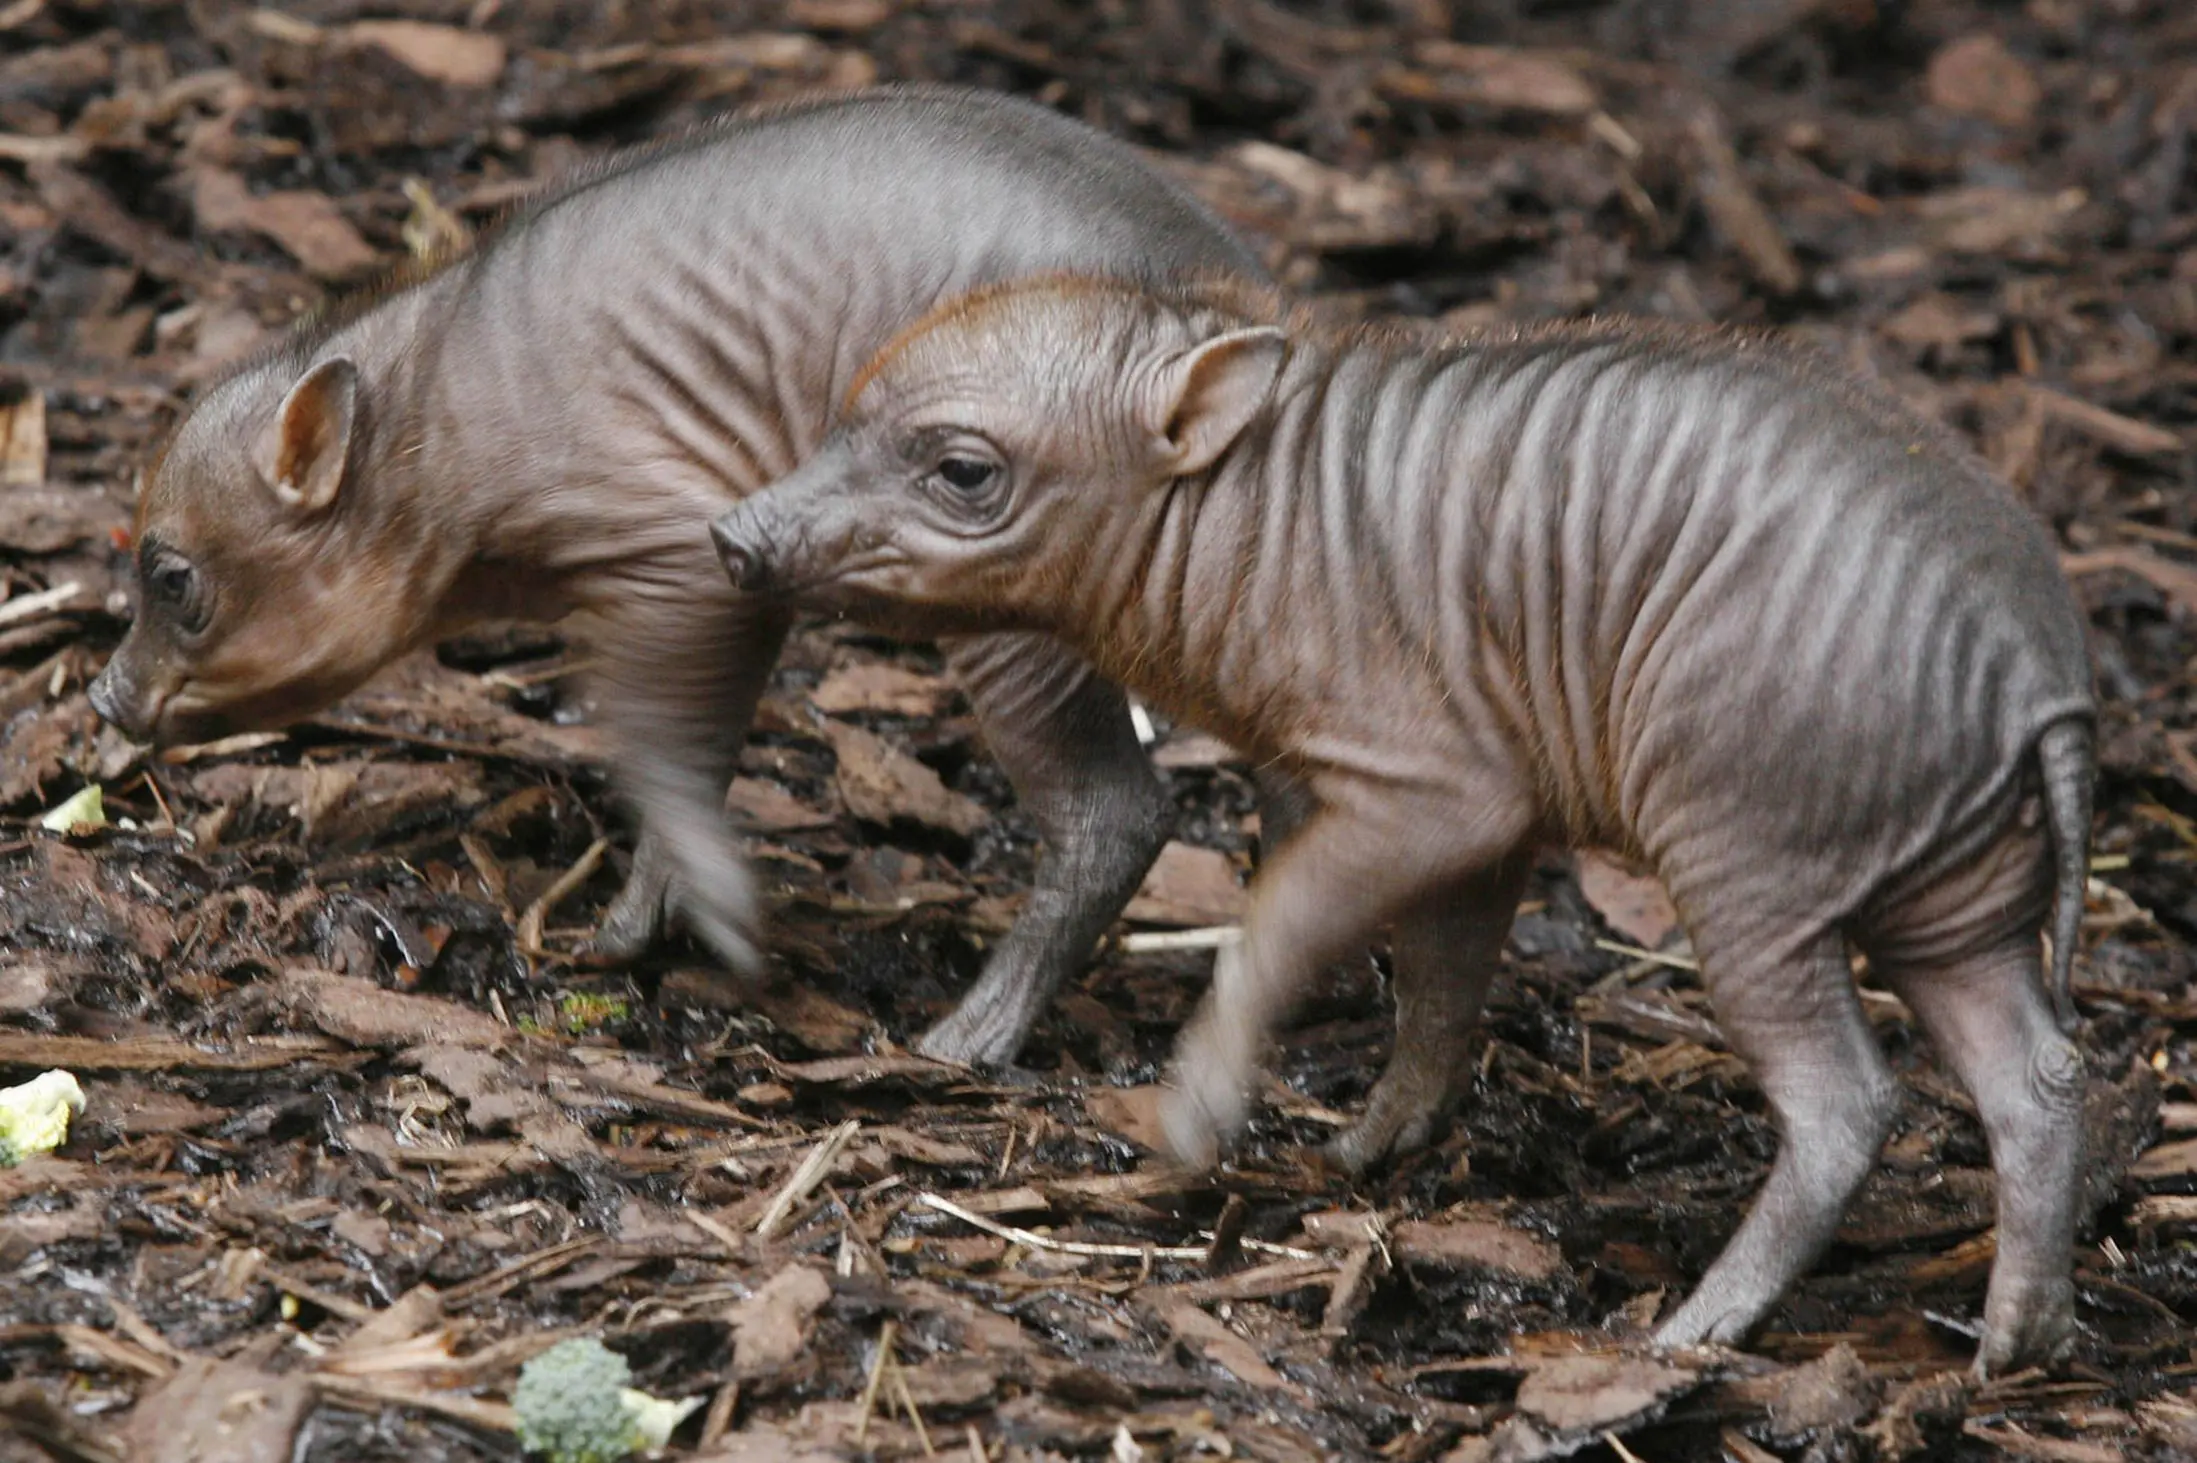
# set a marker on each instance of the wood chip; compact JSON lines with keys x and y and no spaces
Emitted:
{"x":1976,"y":76}
{"x":307,"y":225}
{"x":1633,"y":904}
{"x":2102,"y":424}
{"x":23,"y":441}
{"x":1188,"y":885}
{"x":880,"y":783}
{"x":441,"y":53}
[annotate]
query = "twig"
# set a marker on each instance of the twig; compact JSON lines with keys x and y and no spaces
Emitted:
{"x":1617,"y":1446}
{"x":1031,"y":1240}
{"x":530,"y":923}
{"x":1212,"y":937}
{"x":1731,"y":202}
{"x":167,"y":814}
{"x":492,"y":1415}
{"x":806,"y":1177}
{"x":2103,"y":424}
{"x":716,"y":1229}
{"x":31,"y":606}
{"x":1653,"y":957}
{"x":877,"y":1375}
{"x":718,"y":1420}
{"x":907,"y":1405}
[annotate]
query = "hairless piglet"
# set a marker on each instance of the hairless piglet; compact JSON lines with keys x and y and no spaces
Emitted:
{"x":546,"y":423}
{"x":1689,"y":595}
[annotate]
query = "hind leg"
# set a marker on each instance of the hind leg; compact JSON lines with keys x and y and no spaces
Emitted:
{"x":1063,"y":736}
{"x":1792,"y":1014}
{"x":1350,"y":869}
{"x":1988,"y":1018}
{"x":1964,"y":956}
{"x":1446,"y":951}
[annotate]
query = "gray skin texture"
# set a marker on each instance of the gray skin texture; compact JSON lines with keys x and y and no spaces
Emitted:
{"x":1686,"y":595}
{"x":546,"y":425}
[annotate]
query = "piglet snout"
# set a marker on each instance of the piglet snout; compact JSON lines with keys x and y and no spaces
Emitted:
{"x":746,"y":562}
{"x":120,"y":704}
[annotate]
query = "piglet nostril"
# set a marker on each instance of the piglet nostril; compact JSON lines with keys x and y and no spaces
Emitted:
{"x":750,"y":575}
{"x":101,"y":694}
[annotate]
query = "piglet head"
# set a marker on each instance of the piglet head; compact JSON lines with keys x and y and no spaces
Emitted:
{"x":1003,"y":456}
{"x":257,"y":604}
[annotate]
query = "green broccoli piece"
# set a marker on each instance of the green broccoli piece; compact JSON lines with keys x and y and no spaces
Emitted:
{"x":34,"y":1118}
{"x":574,"y":1406}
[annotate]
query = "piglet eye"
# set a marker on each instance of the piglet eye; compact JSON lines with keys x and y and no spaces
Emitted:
{"x":966,"y":474}
{"x":174,"y":583}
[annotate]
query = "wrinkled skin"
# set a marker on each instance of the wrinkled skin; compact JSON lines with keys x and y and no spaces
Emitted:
{"x":488,"y":441}
{"x":1688,"y":596}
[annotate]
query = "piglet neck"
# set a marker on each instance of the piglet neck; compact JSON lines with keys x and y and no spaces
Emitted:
{"x":456,"y":502}
{"x":1148,"y":596}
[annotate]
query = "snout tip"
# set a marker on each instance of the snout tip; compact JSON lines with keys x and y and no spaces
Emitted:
{"x":121,"y":706}
{"x":748,"y":569}
{"x":101,"y":693}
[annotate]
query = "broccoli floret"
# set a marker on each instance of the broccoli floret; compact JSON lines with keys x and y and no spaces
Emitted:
{"x":34,"y":1118}
{"x":574,"y":1406}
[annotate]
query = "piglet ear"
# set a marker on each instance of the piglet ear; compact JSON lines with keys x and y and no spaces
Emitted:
{"x":1201,"y":399}
{"x":301,"y":453}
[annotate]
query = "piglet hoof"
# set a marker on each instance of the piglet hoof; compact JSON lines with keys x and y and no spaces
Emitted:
{"x":1204,"y":1108}
{"x":1402,"y":1116}
{"x":631,"y":928}
{"x":1376,"y":1140}
{"x":635,"y":921}
{"x":977,"y":1033}
{"x":1193,"y":1133}
{"x":2026,"y":1329}
{"x":1695,"y":1325}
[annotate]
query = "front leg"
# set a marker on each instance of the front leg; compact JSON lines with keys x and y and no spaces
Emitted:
{"x":641,"y":912}
{"x":1064,"y":738}
{"x":1359,"y":862}
{"x":682,"y":675}
{"x":1446,"y":951}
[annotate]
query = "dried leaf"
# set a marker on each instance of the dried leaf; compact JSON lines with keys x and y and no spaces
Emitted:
{"x":438,"y":52}
{"x":1976,"y":76}
{"x":880,"y":783}
{"x":307,"y":225}
{"x":1213,"y":1340}
{"x":23,"y":442}
{"x":363,"y":1014}
{"x":1479,"y":1244}
{"x":218,"y":1409}
{"x":1634,"y":905}
{"x":1131,"y":1112}
{"x":769,"y":808}
{"x":1495,"y":77}
{"x":770,"y":1328}
{"x":881,"y":686}
{"x":1190,"y":887}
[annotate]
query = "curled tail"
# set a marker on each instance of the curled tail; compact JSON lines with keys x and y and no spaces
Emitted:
{"x":2068,"y":761}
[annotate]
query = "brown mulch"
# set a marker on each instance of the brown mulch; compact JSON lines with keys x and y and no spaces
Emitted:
{"x":355,"y":1149}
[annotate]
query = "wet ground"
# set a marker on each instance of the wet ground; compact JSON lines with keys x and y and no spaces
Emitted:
{"x":362,"y":1135}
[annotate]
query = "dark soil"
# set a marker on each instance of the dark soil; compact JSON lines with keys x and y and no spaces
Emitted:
{"x":354,"y":1150}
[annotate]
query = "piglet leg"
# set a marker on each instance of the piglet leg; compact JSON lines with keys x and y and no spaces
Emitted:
{"x":680,"y":691}
{"x":1793,"y":1016}
{"x":1064,"y":738}
{"x":638,"y":915}
{"x":1446,"y":951}
{"x":1989,"y":1020}
{"x":1341,"y":876}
